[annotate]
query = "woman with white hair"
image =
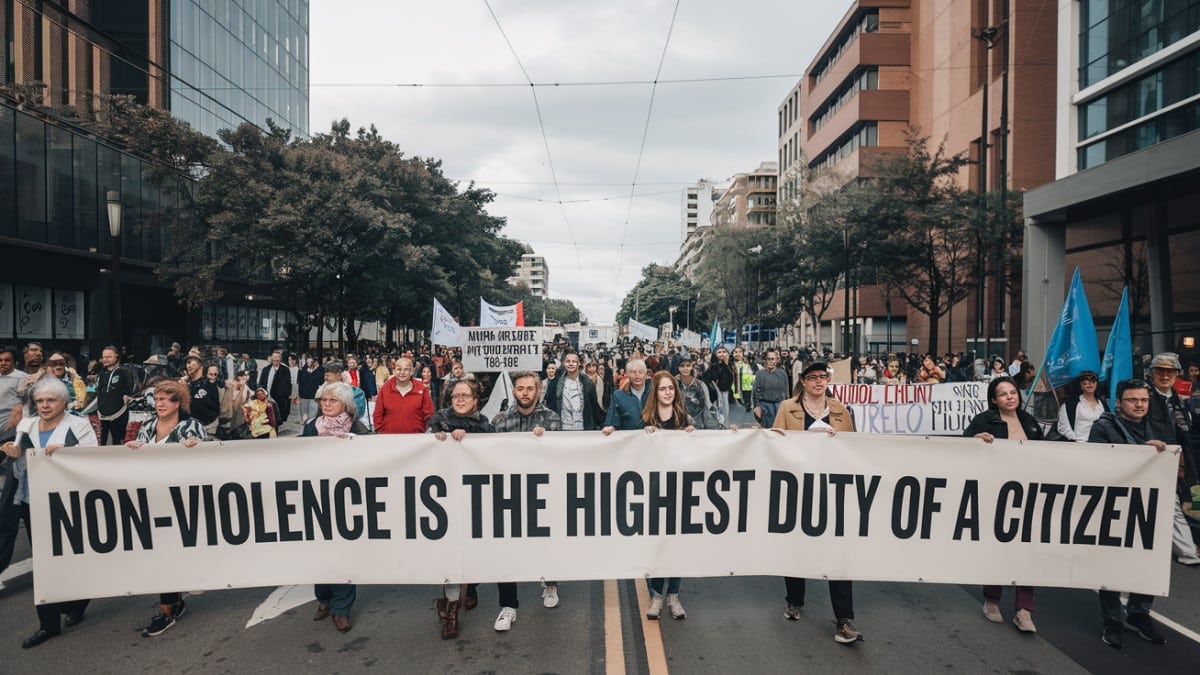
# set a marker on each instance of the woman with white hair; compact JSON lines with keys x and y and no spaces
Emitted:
{"x":52,"y":428}
{"x":338,"y":418}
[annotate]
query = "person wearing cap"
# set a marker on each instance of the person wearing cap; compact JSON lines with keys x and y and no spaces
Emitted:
{"x":1077,"y":414}
{"x":1170,"y":422}
{"x":813,"y":409}
{"x":695,"y":395}
{"x":206,"y":397}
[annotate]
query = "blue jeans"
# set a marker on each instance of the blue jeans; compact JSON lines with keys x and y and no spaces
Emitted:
{"x":339,"y":597}
{"x":769,"y":410}
{"x":656,"y":585}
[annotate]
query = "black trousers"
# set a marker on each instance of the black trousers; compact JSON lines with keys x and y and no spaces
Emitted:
{"x":508,"y":594}
{"x":114,"y":428}
{"x":11,"y":516}
{"x":50,"y":614}
{"x":841,"y":593}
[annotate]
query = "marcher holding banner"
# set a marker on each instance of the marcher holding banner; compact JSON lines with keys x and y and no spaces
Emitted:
{"x":1004,"y":418}
{"x":173,"y":424}
{"x":665,"y":410}
{"x":531,"y":415}
{"x":1170,"y":422}
{"x":1130,"y":425}
{"x":338,"y":419}
{"x":461,"y":417}
{"x":812,"y":409}
{"x":625,"y":409}
{"x":50,"y":430}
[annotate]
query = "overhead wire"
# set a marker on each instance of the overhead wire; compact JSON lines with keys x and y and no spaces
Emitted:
{"x":542,"y":125}
{"x":645,"y":133}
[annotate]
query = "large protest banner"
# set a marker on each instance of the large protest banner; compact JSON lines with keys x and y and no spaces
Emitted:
{"x":579,"y":505}
{"x":933,"y":409}
{"x":491,"y":349}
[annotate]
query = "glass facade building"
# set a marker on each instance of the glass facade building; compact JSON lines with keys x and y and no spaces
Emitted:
{"x":1139,"y":75}
{"x":234,"y":60}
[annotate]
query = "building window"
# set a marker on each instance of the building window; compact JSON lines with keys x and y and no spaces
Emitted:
{"x":1163,"y":127}
{"x":1117,"y":33}
{"x":863,"y":135}
{"x":31,"y":178}
{"x":868,"y":22}
{"x":861,"y":79}
{"x":1177,"y":81}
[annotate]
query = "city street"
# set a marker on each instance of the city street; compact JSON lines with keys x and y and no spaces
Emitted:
{"x":732,"y":624}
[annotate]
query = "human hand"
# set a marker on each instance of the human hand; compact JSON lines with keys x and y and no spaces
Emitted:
{"x":51,"y":448}
{"x":985,"y":437}
{"x":607,"y":430}
{"x":538,"y":431}
{"x":190,"y":442}
{"x":440,"y":435}
{"x":458,"y":434}
{"x":134,"y":445}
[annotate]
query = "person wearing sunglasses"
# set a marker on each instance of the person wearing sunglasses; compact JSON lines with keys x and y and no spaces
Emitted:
{"x":1077,"y":414}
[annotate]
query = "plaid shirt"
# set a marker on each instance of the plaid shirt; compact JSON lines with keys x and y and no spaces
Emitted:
{"x":512,"y":419}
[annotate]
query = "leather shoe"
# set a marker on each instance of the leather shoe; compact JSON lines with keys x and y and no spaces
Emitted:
{"x":322,"y":612}
{"x":448,"y":612}
{"x":38,"y":638}
{"x":470,"y":602}
{"x":73,"y":619}
{"x":342,"y":623}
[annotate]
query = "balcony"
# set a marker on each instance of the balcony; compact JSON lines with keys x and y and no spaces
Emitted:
{"x":873,"y":105}
{"x":870,"y":49}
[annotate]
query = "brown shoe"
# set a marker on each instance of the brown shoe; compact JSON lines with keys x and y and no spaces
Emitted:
{"x":342,"y":623}
{"x":449,"y":618}
{"x":470,"y":602}
{"x":322,"y":612}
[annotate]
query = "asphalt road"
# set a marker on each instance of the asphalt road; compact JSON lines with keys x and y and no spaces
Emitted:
{"x":733,"y":625}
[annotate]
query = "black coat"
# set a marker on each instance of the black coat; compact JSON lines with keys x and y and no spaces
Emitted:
{"x":990,"y":421}
{"x":281,"y":389}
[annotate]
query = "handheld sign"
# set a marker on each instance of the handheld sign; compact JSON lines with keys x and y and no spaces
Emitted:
{"x":500,"y":348}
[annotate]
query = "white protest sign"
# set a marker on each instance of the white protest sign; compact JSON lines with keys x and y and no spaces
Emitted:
{"x":409,"y":509}
{"x":445,"y":328}
{"x":642,"y":331}
{"x":494,"y":315}
{"x":935,"y":409}
{"x":492,"y":349}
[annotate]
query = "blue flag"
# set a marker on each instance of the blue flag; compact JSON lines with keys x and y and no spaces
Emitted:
{"x":1118,"y":352}
{"x":1073,"y":348}
{"x":715,"y":335}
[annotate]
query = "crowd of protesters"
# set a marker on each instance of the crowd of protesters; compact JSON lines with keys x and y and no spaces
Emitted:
{"x":189,"y":397}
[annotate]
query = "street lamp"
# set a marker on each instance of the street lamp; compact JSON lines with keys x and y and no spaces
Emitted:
{"x":113,"y":199}
{"x":671,"y":313}
{"x":846,"y":289}
{"x":757,"y":250}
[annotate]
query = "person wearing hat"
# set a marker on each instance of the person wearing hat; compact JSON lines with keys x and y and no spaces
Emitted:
{"x":1170,"y":422}
{"x":695,"y":395}
{"x":813,"y":409}
{"x":206,"y":397}
{"x":1076,"y":414}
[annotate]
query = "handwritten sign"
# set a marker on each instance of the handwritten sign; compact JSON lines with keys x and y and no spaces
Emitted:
{"x":934,"y":409}
{"x":33,"y":312}
{"x":68,"y":315}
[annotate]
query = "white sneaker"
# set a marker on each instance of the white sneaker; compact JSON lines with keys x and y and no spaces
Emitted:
{"x":505,"y":621}
{"x":550,"y":597}
{"x":1190,"y":560}
{"x":656,"y":607}
{"x":675,"y":607}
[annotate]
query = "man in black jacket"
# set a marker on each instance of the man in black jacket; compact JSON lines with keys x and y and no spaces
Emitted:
{"x":277,"y":380}
{"x":1129,"y":425}
{"x":206,"y":398}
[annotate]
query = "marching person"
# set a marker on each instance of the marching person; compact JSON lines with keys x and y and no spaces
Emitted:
{"x":527,"y":415}
{"x":338,"y":419}
{"x":1077,"y":414}
{"x":52,"y":428}
{"x":1004,"y":418}
{"x":574,"y":396}
{"x":115,"y":388}
{"x":695,"y":395}
{"x":205,"y":397}
{"x":813,"y":409}
{"x":456,"y":421}
{"x":1170,"y":422}
{"x":404,"y":404}
{"x":665,"y":409}
{"x":770,"y":388}
{"x":173,"y":424}
{"x":743,"y":378}
{"x":308,"y":380}
{"x":1129,"y":425}
{"x":277,"y":380}
{"x":721,"y":374}
{"x":625,"y":408}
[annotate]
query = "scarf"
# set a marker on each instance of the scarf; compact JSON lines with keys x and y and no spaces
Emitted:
{"x":334,"y":426}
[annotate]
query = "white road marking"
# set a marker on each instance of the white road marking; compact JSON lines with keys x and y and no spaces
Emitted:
{"x":1178,"y":628}
{"x":16,"y":569}
{"x":281,"y":600}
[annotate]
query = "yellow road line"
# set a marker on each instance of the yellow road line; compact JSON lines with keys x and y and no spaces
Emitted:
{"x":656,"y":656}
{"x":614,"y":641}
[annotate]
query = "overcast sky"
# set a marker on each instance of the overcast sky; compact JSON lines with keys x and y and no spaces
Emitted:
{"x":595,"y":249}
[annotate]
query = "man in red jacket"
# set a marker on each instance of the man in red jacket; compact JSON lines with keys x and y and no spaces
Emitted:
{"x":403,"y":405}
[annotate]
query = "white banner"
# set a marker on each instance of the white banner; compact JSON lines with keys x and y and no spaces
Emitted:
{"x":492,"y":315}
{"x":409,"y":509}
{"x":445,"y":328}
{"x":937,"y":409}
{"x":689,"y":339}
{"x":642,"y":331}
{"x":487,"y":350}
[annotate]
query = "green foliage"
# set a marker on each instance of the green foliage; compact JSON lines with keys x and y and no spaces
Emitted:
{"x":651,"y":298}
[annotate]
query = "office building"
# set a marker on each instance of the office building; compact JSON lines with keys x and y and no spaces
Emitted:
{"x":1124,"y":206}
{"x":55,"y":174}
{"x":532,"y":273}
